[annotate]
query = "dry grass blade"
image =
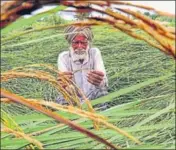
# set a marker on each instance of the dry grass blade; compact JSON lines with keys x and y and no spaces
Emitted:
{"x":163,"y":40}
{"x":160,"y":39}
{"x":48,"y":129}
{"x":171,"y":30}
{"x":10,"y":11}
{"x":165,"y":13}
{"x":119,"y":17}
{"x":116,"y":2}
{"x":129,"y":32}
{"x":87,"y":2}
{"x":48,"y":66}
{"x":142,"y":6}
{"x":14,"y":74}
{"x":45,"y":130}
{"x":38,"y":75}
{"x":70,"y":109}
{"x":5,"y":100}
{"x":55,"y":116}
{"x":102,"y":21}
{"x":23,"y":135}
{"x":70,"y":94}
{"x":106,"y":12}
{"x":9,"y":122}
{"x":17,"y":9}
{"x":91,"y":115}
{"x":14,"y":7}
{"x":80,"y":70}
{"x":77,"y":90}
{"x":158,"y":27}
{"x":86,"y":100}
{"x":31,"y":31}
{"x":3,"y":40}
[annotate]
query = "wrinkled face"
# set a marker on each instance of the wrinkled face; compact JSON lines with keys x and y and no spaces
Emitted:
{"x":79,"y":43}
{"x":79,"y":48}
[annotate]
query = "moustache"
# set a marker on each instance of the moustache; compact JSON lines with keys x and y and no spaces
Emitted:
{"x":80,"y":51}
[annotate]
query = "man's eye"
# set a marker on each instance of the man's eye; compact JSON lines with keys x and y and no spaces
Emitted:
{"x":75,"y":42}
{"x":83,"y":43}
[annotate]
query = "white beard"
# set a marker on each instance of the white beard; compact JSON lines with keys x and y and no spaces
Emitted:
{"x":79,"y":54}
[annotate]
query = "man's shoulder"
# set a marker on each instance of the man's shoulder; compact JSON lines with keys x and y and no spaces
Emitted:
{"x":64,"y":54}
{"x":95,"y":50}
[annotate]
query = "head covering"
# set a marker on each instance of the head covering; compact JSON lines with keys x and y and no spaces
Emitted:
{"x":72,"y":31}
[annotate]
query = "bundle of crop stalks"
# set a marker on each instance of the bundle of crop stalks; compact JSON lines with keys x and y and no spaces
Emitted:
{"x":148,"y":112}
{"x":68,"y":95}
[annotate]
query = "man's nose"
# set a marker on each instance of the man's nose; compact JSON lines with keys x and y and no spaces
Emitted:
{"x":80,"y":45}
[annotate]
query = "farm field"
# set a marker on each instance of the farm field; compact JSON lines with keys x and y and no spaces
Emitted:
{"x":141,"y":97}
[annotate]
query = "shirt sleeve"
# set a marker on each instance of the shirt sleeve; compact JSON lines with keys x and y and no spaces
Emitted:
{"x":61,"y":62}
{"x":99,"y":66}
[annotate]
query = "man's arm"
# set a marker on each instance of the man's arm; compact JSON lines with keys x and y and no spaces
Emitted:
{"x":63,"y":69}
{"x":98,"y":76}
{"x":61,"y":62}
{"x":99,"y":65}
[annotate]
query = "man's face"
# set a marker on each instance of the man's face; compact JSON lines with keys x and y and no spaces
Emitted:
{"x":79,"y":48}
{"x":79,"y":43}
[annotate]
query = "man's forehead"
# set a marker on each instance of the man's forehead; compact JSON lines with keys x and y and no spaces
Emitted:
{"x":80,"y":37}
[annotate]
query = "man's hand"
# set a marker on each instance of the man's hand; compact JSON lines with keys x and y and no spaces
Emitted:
{"x":67,"y":75}
{"x":95,"y":77}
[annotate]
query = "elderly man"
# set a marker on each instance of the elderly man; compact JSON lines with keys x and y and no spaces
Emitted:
{"x":82,"y":63}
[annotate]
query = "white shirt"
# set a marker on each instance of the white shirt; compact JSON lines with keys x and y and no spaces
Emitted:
{"x":93,"y":62}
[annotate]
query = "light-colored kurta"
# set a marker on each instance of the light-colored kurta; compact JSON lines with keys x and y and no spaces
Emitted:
{"x":92,"y":62}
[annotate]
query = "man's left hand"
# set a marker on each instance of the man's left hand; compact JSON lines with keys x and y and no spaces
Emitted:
{"x":95,"y":77}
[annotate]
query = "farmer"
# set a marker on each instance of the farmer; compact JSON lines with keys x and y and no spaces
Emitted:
{"x":82,"y":63}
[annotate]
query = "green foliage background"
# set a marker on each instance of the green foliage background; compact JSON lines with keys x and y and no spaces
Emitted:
{"x":141,"y":96}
